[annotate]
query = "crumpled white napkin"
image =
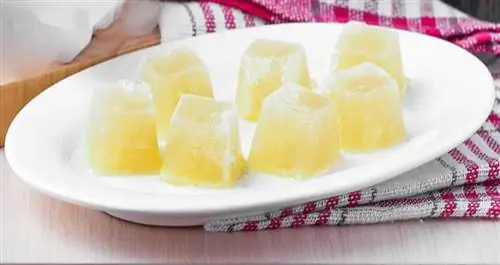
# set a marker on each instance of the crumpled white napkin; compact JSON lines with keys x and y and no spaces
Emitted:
{"x":58,"y":30}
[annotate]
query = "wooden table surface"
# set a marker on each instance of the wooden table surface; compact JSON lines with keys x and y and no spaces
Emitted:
{"x":36,"y":228}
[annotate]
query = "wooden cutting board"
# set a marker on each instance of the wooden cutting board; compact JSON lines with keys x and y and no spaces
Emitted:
{"x":104,"y":46}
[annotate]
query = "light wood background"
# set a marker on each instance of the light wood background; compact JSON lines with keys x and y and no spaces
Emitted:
{"x":36,"y":228}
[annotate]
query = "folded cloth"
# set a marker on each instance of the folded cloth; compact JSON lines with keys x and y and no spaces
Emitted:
{"x":463,"y":183}
{"x":430,"y":17}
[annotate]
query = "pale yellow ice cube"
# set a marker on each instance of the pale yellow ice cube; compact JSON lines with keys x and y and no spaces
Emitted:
{"x":122,"y":132}
{"x":179,"y":71}
{"x":359,"y":42}
{"x":297,"y":134}
{"x":203,"y":144}
{"x":265,"y":66}
{"x":369,"y":105}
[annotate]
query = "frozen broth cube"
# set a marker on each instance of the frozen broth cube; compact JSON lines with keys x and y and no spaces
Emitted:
{"x":203,"y":144}
{"x":265,"y":66}
{"x":297,"y":134}
{"x":360,"y":43}
{"x":369,"y":106}
{"x":179,"y":71}
{"x":122,"y":135}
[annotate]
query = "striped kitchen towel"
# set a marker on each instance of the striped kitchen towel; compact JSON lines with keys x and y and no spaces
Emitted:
{"x":432,"y":17}
{"x":463,"y":183}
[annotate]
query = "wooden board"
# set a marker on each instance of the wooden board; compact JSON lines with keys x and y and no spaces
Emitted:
{"x":104,"y":46}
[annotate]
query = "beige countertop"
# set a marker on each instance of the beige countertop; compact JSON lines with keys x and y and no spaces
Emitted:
{"x":36,"y":228}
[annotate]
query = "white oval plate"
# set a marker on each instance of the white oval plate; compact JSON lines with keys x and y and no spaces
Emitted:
{"x":449,"y":97}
